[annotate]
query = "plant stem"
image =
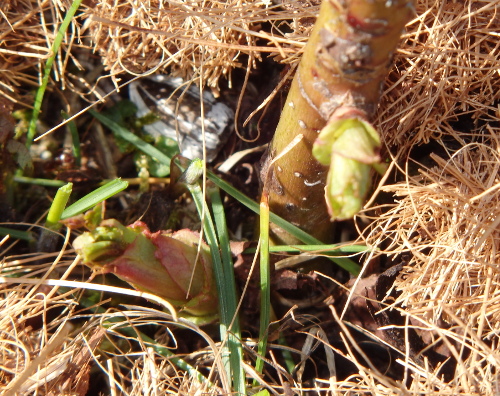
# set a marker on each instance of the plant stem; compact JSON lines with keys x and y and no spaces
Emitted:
{"x":58,"y":206}
{"x":343,"y":66}
{"x":48,"y":238}
{"x":265,"y":283}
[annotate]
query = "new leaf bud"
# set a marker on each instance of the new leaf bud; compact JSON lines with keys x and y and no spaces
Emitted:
{"x":161,"y":263}
{"x":351,"y":148}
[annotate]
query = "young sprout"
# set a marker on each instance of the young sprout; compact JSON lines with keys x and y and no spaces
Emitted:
{"x":171,"y":265}
{"x":351,"y":148}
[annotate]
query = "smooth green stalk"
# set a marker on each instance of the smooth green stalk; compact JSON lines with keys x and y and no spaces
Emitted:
{"x":95,"y":197}
{"x":265,"y":283}
{"x":58,"y":205}
{"x":343,"y":67}
{"x":48,"y":68}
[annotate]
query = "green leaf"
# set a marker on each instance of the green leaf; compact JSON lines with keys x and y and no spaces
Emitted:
{"x":95,"y":197}
{"x":47,"y":69}
{"x":130,"y":137}
{"x":347,"y":183}
{"x":25,"y":235}
{"x":350,"y":138}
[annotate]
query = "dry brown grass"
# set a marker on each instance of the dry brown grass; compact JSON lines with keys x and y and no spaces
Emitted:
{"x":187,"y":38}
{"x":445,"y":217}
{"x":444,"y":89}
{"x":184,"y":38}
{"x":445,"y":222}
{"x":28,"y":29}
{"x":447,"y":67}
{"x":21,"y":47}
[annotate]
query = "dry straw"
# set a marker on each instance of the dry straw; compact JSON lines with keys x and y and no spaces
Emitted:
{"x":21,"y":47}
{"x":445,"y":226}
{"x":446,"y":70}
{"x":186,"y":37}
{"x":444,"y":89}
{"x":447,"y":220}
{"x":27,"y":31}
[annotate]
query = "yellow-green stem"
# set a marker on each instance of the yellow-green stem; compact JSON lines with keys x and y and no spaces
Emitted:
{"x":343,"y":66}
{"x":265,"y":282}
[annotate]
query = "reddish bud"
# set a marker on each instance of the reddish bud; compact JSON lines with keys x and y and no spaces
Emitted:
{"x":173,"y":266}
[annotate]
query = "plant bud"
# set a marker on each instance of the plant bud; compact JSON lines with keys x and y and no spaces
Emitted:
{"x":350,"y":146}
{"x":160,"y":263}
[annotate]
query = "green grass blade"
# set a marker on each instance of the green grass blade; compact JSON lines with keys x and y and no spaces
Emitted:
{"x":24,"y":235}
{"x":75,"y":141}
{"x":321,"y":250}
{"x":235,"y":348}
{"x":227,"y":294}
{"x":95,"y":197}
{"x":254,"y":206}
{"x":220,"y":279}
{"x":48,"y":237}
{"x":39,"y":182}
{"x":287,"y":355}
{"x":342,"y":262}
{"x":125,"y":134}
{"x":48,"y":68}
